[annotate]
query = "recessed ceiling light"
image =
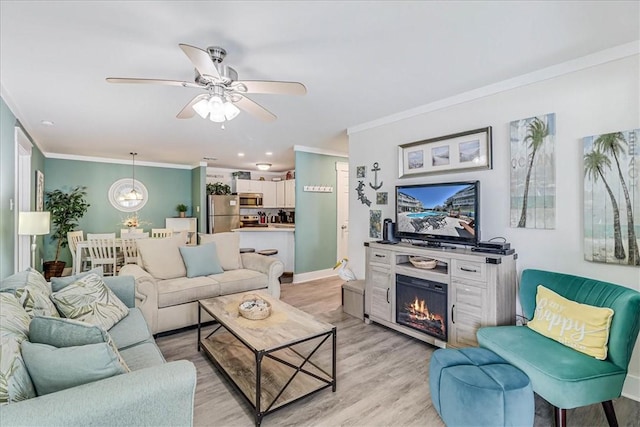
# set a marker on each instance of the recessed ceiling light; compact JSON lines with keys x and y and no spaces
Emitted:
{"x":46,"y":123}
{"x":240,"y":154}
{"x":269,"y":153}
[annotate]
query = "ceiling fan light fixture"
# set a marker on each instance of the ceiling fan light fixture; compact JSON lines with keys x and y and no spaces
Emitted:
{"x":202,"y":108}
{"x":230,"y":110}
{"x":263,"y":166}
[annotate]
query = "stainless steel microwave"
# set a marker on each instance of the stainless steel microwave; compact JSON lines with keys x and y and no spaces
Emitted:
{"x":250,"y":200}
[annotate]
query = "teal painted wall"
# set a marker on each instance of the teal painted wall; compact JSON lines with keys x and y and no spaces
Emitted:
{"x":198,"y":196}
{"x":37,"y":164}
{"x":167,"y":188}
{"x":7,"y":190}
{"x":316,"y":217}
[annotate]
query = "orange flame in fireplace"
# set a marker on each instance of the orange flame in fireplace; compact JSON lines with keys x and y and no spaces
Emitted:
{"x":420,"y":311}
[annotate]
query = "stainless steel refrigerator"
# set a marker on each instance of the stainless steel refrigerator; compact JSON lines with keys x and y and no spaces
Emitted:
{"x":223,"y":213}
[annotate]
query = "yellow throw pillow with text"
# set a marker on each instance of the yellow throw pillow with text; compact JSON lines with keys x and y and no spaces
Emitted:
{"x":583,"y":327}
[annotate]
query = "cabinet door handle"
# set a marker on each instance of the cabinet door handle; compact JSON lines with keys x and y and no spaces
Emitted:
{"x":388,"y":302}
{"x":453,"y":307}
{"x":470,"y":270}
{"x":379,"y":256}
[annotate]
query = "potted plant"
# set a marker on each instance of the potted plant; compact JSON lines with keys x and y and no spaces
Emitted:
{"x":66,"y":210}
{"x":218,"y":189}
{"x":182,"y":209}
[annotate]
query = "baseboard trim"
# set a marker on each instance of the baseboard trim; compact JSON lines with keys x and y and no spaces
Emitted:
{"x":631,"y":387}
{"x":313,"y":275}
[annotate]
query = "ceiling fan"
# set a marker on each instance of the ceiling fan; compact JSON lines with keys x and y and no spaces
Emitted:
{"x":225,"y":93}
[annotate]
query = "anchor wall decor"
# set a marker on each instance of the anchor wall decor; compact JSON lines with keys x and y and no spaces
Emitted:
{"x":375,"y":171}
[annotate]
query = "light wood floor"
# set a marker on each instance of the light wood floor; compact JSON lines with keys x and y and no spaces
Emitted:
{"x":382,"y":377}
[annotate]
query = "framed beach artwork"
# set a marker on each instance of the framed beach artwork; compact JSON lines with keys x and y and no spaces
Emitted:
{"x":458,"y":152}
{"x":382,"y":198}
{"x":533,"y":172}
{"x":375,"y":224}
{"x":39,"y":191}
{"x":612,"y":197}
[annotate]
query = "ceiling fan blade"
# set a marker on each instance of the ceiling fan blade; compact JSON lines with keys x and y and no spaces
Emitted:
{"x":153,"y":82}
{"x":256,"y":109}
{"x":187,"y":112}
{"x":260,"y":86}
{"x":201,"y":60}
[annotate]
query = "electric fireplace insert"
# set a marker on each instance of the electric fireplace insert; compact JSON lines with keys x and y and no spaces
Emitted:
{"x":422,"y":305}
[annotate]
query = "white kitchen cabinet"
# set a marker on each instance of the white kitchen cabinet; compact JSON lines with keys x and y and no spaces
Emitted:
{"x":269,"y":199}
{"x":280,"y":194}
{"x":290,"y":193}
{"x":246,"y":186}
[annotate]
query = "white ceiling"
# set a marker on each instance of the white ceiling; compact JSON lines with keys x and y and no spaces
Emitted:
{"x":360,"y":61}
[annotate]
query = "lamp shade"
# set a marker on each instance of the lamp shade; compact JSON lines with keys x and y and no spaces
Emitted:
{"x":33,"y":223}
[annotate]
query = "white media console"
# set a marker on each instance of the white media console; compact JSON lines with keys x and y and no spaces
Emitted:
{"x":480,"y":289}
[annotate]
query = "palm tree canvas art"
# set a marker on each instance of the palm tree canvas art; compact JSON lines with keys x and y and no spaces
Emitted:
{"x":533,"y":172}
{"x":612,"y":198}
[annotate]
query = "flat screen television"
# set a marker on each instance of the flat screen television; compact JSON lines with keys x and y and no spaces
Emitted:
{"x":439,"y":213}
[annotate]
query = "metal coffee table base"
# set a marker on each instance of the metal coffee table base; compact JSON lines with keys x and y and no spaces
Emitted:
{"x":273,"y":378}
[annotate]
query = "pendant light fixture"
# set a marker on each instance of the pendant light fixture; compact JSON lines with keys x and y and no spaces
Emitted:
{"x":133,"y":194}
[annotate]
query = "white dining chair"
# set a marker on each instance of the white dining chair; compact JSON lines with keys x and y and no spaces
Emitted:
{"x":161,"y":232}
{"x":102,"y":250}
{"x":130,"y":247}
{"x":73,"y":237}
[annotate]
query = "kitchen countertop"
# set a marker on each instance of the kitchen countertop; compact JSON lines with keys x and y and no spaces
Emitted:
{"x":270,"y":228}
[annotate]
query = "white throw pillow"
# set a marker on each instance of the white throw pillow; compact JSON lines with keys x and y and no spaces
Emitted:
{"x":228,"y":245}
{"x":161,"y":257}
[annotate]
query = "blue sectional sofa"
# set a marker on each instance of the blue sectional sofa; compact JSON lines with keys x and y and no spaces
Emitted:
{"x":561,"y":375}
{"x":153,"y":393}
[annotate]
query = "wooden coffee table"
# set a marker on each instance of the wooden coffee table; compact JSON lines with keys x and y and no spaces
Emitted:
{"x":272,"y":362}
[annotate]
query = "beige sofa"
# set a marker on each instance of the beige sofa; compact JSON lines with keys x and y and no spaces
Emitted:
{"x":168,"y":298}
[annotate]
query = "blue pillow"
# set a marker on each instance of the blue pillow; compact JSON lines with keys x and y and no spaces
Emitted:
{"x":52,"y":369}
{"x":201,"y":260}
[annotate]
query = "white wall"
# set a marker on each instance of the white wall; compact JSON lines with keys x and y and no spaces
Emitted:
{"x":595,"y":100}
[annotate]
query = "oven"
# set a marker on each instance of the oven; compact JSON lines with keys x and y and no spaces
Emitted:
{"x":250,"y":200}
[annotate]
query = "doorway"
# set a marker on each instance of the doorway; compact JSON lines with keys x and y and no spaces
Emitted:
{"x":23,"y":197}
{"x":342,"y":193}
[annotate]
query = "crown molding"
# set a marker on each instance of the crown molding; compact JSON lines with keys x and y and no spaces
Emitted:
{"x":578,"y":64}
{"x":315,"y":150}
{"x":116,"y":161}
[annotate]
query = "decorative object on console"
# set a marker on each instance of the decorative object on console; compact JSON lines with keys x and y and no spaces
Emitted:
{"x":375,"y":171}
{"x":361,"y":196}
{"x":533,"y":194}
{"x":424,"y":263}
{"x":226,"y":95}
{"x":33,"y":224}
{"x":606,"y":183}
{"x":375,"y":223}
{"x":450,"y":153}
{"x":66,"y":210}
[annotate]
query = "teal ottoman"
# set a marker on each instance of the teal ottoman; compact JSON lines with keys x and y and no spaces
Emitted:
{"x":476,"y":387}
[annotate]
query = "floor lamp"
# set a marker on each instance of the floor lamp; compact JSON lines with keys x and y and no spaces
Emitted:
{"x":33,"y":224}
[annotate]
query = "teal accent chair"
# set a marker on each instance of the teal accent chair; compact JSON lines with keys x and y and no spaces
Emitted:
{"x":562,"y":376}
